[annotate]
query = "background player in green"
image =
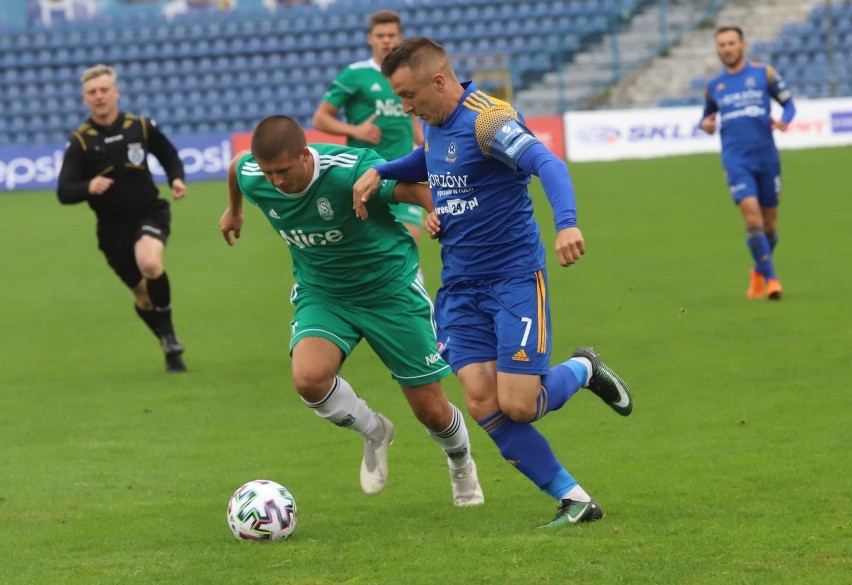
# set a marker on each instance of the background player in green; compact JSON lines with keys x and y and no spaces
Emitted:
{"x":374,"y":116}
{"x":353,"y":280}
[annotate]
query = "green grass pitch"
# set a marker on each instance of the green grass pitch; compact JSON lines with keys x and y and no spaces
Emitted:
{"x":734,"y":467}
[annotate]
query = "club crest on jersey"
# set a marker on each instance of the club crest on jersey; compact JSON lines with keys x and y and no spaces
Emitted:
{"x":135,"y":153}
{"x":452,"y":153}
{"x":750,"y":82}
{"x":324,"y":208}
{"x":720,"y":86}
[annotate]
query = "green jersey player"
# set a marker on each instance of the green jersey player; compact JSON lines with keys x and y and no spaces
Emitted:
{"x":354,"y":280}
{"x":374,"y":116}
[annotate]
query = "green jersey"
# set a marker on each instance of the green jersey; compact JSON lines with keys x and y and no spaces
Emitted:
{"x":361,"y":90}
{"x":334,"y":252}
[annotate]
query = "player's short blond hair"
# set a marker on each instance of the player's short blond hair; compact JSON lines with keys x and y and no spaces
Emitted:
{"x":97,"y":71}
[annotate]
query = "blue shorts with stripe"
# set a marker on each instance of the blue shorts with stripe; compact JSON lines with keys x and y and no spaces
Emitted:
{"x":507,"y":320}
{"x":761,"y":179}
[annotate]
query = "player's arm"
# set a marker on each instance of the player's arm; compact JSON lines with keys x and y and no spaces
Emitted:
{"x":780,"y":93}
{"x":415,"y":194}
{"x":325,"y":119}
{"x":708,"y":119}
{"x":231,"y":222}
{"x":538,"y":160}
{"x":72,"y":187}
{"x":167,"y":154}
{"x":410,"y":168}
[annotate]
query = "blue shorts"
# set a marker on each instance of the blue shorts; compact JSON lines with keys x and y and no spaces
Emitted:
{"x":507,"y":320}
{"x":761,"y":179}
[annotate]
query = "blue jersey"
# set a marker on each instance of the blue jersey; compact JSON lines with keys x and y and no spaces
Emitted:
{"x":742,"y":100}
{"x":481,"y":198}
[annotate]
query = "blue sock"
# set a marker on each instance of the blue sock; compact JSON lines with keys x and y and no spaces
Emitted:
{"x":560,"y":485}
{"x":773,"y":240}
{"x":558,"y":385}
{"x":758,"y":243}
{"x":524,"y":447}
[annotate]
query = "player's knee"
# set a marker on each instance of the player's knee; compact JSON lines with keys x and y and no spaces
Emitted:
{"x":311,"y":385}
{"x":519,"y":411}
{"x":151,"y":268}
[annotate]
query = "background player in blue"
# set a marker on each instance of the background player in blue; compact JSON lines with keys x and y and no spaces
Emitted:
{"x":741,"y":96}
{"x":492,"y":310}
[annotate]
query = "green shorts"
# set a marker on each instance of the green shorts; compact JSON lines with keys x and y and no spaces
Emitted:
{"x":408,"y":213}
{"x":400,"y":328}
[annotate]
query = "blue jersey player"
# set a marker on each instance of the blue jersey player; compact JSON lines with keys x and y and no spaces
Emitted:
{"x":493,"y":308}
{"x":740,"y":95}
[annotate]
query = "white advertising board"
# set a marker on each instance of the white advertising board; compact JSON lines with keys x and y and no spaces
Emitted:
{"x":603,"y":135}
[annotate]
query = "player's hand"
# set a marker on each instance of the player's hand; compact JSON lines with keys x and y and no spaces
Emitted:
{"x":432,"y":224}
{"x":569,"y":245}
{"x":100,"y":185}
{"x":178,"y":189}
{"x":230,"y":225}
{"x":367,"y":131}
{"x":779,"y":125}
{"x":363,"y":189}
{"x":708,"y":124}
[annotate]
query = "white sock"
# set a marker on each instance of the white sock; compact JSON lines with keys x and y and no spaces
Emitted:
{"x":454,"y":440}
{"x":577,"y":494}
{"x":588,"y":365}
{"x":341,"y":406}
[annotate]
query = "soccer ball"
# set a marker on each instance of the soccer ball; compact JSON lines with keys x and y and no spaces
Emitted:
{"x":262,"y":510}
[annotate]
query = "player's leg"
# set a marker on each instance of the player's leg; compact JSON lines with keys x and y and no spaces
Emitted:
{"x":401,"y":332}
{"x":769,"y":196}
{"x":320,"y":340}
{"x":446,"y":426}
{"x":149,"y":249}
{"x":522,"y":445}
{"x":470,"y":345}
{"x":744,"y":188}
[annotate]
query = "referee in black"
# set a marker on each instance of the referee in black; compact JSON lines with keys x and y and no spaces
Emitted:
{"x":106,"y":165}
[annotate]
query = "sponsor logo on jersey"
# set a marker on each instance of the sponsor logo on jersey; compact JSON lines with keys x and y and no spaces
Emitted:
{"x":426,"y":146}
{"x":448,"y":181}
{"x":741,"y":98}
{"x":432,"y":358}
{"x":300,"y":239}
{"x":324,"y":208}
{"x":111,"y":139}
{"x":274,"y":215}
{"x":390,"y":107}
{"x":452,"y":152}
{"x":520,"y":356}
{"x":457,"y":206}
{"x":151,"y":229}
{"x":135,"y":153}
{"x":376,"y":87}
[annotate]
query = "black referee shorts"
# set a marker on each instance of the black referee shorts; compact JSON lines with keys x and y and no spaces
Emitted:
{"x":117,"y":238}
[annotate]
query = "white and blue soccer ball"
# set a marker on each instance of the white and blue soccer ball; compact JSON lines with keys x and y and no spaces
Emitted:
{"x":262,"y":510}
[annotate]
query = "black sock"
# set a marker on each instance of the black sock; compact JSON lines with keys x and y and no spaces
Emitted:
{"x":158,"y":321}
{"x":160,"y":292}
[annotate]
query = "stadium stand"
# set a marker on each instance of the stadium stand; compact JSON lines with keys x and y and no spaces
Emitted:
{"x":222,"y":70}
{"x":814,"y":56}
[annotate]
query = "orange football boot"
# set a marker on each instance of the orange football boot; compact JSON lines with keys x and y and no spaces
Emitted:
{"x":756,"y":286}
{"x":773,"y":290}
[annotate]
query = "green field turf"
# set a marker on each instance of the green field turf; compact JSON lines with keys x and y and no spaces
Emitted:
{"x":734,"y":467}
